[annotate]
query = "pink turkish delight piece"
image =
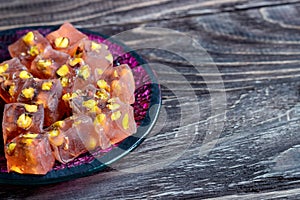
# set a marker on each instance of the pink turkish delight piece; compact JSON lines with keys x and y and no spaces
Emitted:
{"x":29,"y":153}
{"x":28,"y":47}
{"x":19,"y":118}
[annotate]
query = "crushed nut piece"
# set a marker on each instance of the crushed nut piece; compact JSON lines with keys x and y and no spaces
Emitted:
{"x":29,"y":38}
{"x":47,"y":85}
{"x":109,"y":57}
{"x":24,"y":121}
{"x":100,"y":119}
{"x":3,"y":68}
{"x":75,"y":61}
{"x":25,"y":75}
{"x":11,"y":90}
{"x":115,"y":116}
{"x":63,"y":70}
{"x":61,"y":42}
{"x":31,"y":108}
{"x":28,"y":93}
{"x":33,"y":51}
{"x":125,"y":121}
{"x":84,"y":72}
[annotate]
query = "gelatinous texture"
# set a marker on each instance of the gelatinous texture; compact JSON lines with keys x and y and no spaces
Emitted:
{"x":20,"y":118}
{"x":46,"y":64}
{"x":29,"y":153}
{"x":28,"y":47}
{"x":73,"y":136}
{"x":12,"y":76}
{"x":45,"y":92}
{"x":96,"y":55}
{"x":122,"y":84}
{"x":66,"y":38}
{"x":117,"y":120}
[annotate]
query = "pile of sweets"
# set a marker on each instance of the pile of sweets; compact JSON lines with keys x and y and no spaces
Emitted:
{"x":63,"y":98}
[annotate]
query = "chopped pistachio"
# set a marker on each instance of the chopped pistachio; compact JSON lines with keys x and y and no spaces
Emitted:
{"x":115,"y":116}
{"x":31,"y":108}
{"x":24,"y":75}
{"x":113,"y":106}
{"x":16,"y":169}
{"x":84,"y":72}
{"x":100,"y":119}
{"x":44,"y":64}
{"x":102,"y":94}
{"x":75,"y":61}
{"x":33,"y":51}
{"x":11,"y":147}
{"x":102,"y":84}
{"x":24,"y":121}
{"x":109,"y":57}
{"x":64,"y":81}
{"x":63,"y":70}
{"x":30,"y":135}
{"x":68,"y":96}
{"x":3,"y":68}
{"x":11,"y":90}
{"x":28,"y":93}
{"x":28,"y":38}
{"x":61,"y":42}
{"x":90,"y":104}
{"x":59,"y":124}
{"x":47,"y":85}
{"x":125,"y":121}
{"x":54,"y":133}
{"x":95,"y":46}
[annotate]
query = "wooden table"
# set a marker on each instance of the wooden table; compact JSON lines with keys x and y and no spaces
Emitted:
{"x":228,"y":128}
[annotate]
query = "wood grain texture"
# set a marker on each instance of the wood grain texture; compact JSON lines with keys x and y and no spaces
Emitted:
{"x":256,"y":48}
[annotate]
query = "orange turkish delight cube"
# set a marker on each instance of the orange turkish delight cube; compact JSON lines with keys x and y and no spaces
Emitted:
{"x":28,"y":47}
{"x":117,"y":120}
{"x":13,"y":75}
{"x":19,"y":118}
{"x":96,"y":56}
{"x":45,"y":92}
{"x":65,"y":38}
{"x":29,"y":153}
{"x":46,"y":64}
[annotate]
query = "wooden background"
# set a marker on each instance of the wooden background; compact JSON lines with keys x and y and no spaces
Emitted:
{"x":255,"y":46}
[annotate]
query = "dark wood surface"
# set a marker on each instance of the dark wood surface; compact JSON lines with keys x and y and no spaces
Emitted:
{"x":244,"y":146}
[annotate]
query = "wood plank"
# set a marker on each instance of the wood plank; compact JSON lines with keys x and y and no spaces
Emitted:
{"x":255,"y":45}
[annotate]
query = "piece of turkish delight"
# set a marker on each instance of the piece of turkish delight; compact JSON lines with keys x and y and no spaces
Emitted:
{"x":19,"y":118}
{"x":28,"y":47}
{"x":46,"y":64}
{"x":117,"y":121}
{"x":65,"y":38}
{"x":45,"y":92}
{"x":29,"y":153}
{"x":73,"y":136}
{"x":96,"y":56}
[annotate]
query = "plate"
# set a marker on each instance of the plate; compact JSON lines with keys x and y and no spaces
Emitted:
{"x":146,"y":109}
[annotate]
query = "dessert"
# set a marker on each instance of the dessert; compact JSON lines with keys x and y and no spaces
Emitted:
{"x":63,"y":98}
